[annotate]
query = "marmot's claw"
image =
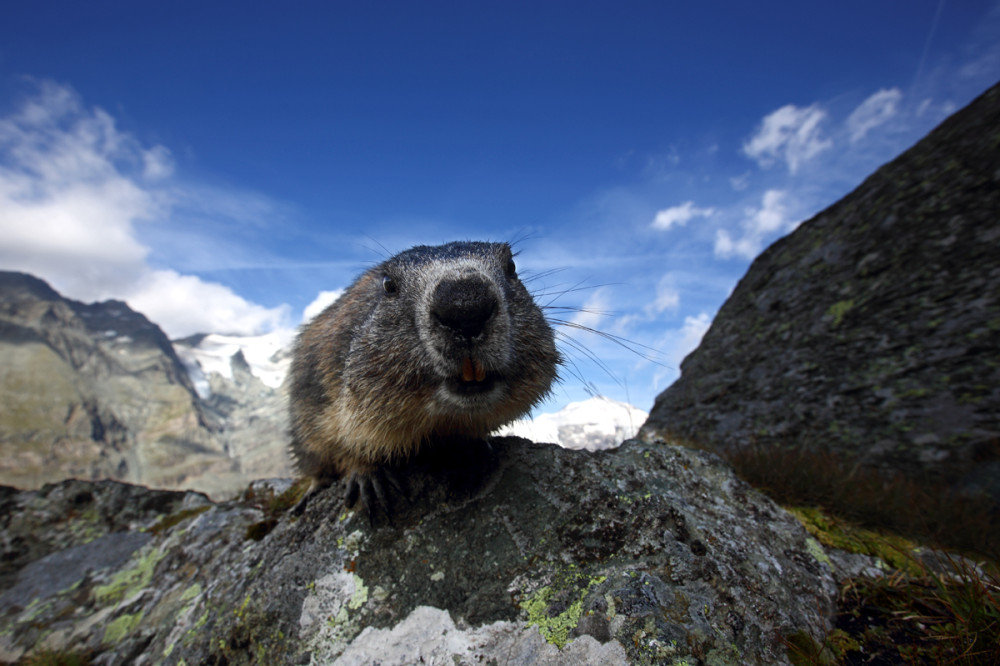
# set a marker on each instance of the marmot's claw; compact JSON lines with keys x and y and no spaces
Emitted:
{"x":370,"y":489}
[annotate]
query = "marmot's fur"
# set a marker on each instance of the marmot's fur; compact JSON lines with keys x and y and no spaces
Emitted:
{"x":435,"y":342}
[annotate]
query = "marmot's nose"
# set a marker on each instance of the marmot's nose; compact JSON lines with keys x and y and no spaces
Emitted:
{"x":464,"y":305}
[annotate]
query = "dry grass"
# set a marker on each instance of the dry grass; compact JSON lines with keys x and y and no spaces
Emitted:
{"x":914,"y":615}
{"x":927,"y":619}
{"x":922,"y":509}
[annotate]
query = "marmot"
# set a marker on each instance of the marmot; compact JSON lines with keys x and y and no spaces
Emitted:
{"x":435,"y":342}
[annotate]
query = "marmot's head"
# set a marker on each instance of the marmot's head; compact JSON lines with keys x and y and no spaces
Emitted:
{"x":454,"y":325}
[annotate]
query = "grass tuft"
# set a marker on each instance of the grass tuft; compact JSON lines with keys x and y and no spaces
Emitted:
{"x":913,"y":615}
{"x":922,"y":509}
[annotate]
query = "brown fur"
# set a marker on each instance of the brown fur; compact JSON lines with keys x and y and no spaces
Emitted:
{"x":384,"y":369}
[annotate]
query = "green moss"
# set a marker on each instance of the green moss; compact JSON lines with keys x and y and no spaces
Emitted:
{"x":121,"y":627}
{"x":893,"y":550}
{"x":129,"y":581}
{"x":175,"y":518}
{"x":839,"y":309}
{"x":816,"y":550}
{"x":191,"y":593}
{"x":290,"y":497}
{"x":803,"y":649}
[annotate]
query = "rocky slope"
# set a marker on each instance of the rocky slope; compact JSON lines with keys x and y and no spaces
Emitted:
{"x":97,"y":391}
{"x":873,"y":330}
{"x":645,"y":554}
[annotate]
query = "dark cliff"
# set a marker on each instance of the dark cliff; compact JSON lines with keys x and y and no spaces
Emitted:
{"x":873,"y":330}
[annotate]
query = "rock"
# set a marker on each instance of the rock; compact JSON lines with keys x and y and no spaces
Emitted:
{"x":873,"y":330}
{"x":648,"y":553}
{"x":97,"y":391}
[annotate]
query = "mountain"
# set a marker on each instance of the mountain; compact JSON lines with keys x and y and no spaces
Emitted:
{"x":97,"y":391}
{"x":239,"y":380}
{"x":267,"y":356}
{"x":873,"y":330}
{"x":595,"y":424}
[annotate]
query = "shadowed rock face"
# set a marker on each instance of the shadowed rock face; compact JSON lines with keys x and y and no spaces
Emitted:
{"x":646,"y":554}
{"x":873,"y":330}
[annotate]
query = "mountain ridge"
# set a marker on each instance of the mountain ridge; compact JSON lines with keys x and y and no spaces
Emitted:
{"x":98,"y":391}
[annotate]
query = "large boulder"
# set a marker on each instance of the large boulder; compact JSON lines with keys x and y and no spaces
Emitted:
{"x":873,"y":330}
{"x":646,"y":554}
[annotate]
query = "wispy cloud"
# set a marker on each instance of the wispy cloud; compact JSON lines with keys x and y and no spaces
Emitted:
{"x":76,"y":193}
{"x":759,"y":224}
{"x":679,"y":215}
{"x":677,"y":344}
{"x":874,"y":111}
{"x":791,"y":135}
{"x":595,"y":310}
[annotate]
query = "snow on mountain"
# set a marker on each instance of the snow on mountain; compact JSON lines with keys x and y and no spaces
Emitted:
{"x":267,"y":355}
{"x":594,"y":424}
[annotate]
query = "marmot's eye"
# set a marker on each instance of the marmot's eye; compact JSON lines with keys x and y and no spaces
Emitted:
{"x":389,"y":285}
{"x":511,"y":269}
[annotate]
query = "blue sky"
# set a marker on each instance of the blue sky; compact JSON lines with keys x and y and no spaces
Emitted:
{"x":219,"y":166}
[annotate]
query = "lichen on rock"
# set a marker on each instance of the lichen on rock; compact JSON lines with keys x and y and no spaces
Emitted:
{"x":647,"y":554}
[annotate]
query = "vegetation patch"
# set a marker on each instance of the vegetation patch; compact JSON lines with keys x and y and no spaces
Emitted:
{"x":836,"y":533}
{"x":557,"y":609}
{"x":129,"y":581}
{"x":923,"y":510}
{"x":275,"y":504}
{"x":838,"y":310}
{"x":927,"y":618}
{"x":121,"y":627}
{"x":912,"y":615}
{"x":176,"y":518}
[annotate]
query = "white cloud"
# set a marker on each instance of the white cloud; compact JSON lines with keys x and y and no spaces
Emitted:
{"x":679,"y":215}
{"x":791,"y":135}
{"x":678,"y":343}
{"x":191,"y":305}
{"x":759,"y":223}
{"x":666,"y":299}
{"x":74,"y":193}
{"x":320,"y":303}
{"x":741,"y":182}
{"x":667,"y":296}
{"x":874,"y":111}
{"x":691,"y":333}
{"x":594,"y":311}
{"x":157,"y":163}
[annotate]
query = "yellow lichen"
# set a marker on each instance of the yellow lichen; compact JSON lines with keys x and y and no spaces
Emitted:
{"x":555,"y":629}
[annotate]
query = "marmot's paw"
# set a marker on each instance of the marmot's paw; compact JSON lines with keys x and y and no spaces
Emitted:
{"x":372,"y":489}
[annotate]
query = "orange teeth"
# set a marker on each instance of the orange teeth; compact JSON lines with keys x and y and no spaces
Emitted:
{"x":472,"y":370}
